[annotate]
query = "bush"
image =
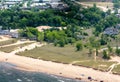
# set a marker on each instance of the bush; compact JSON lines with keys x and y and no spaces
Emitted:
{"x":105,"y":55}
{"x":117,"y":51}
{"x":79,"y":46}
{"x":62,"y":43}
{"x":103,"y":42}
{"x":55,"y":43}
{"x":86,"y":34}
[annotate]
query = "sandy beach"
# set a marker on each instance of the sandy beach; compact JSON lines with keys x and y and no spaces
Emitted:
{"x":66,"y":70}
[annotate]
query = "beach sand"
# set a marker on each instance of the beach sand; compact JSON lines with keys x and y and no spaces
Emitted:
{"x":65,"y":70}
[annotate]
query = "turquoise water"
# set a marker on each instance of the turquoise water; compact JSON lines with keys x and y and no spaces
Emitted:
{"x":9,"y":74}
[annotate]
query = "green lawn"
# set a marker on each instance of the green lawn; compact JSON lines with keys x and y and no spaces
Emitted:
{"x":11,"y":41}
{"x":68,"y":54}
{"x":8,"y":49}
{"x":100,"y":65}
{"x":116,"y":69}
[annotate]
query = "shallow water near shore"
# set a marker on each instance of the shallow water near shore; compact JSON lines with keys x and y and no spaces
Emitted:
{"x":9,"y":74}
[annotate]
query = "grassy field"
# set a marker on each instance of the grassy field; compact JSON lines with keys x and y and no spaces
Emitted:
{"x":100,"y":65}
{"x":8,"y":49}
{"x":68,"y":54}
{"x":116,"y":69}
{"x":11,"y":41}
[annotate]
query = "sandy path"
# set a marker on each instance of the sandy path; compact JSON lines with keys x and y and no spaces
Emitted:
{"x":17,"y":43}
{"x":29,"y":47}
{"x":116,"y":59}
{"x":3,"y":38}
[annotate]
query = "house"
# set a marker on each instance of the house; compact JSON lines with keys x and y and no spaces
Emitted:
{"x":58,"y":5}
{"x":40,"y":4}
{"x":118,"y":15}
{"x":119,"y":11}
{"x":48,"y":1}
{"x":13,"y":0}
{"x":5,"y":4}
{"x":111,"y":31}
{"x":44,"y":1}
{"x":4,"y":32}
{"x":13,"y":33}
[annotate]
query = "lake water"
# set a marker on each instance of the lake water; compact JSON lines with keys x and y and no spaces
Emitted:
{"x":9,"y":74}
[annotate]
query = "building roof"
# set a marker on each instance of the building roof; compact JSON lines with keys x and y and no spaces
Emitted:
{"x":111,"y":31}
{"x":14,"y":0}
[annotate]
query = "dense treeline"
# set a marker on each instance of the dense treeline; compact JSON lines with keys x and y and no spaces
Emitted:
{"x":75,"y":14}
{"x":21,"y":19}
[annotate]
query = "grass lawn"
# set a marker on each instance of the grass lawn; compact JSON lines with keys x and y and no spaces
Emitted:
{"x":8,"y":49}
{"x":68,"y":54}
{"x":11,"y":41}
{"x":100,"y":65}
{"x":116,"y":69}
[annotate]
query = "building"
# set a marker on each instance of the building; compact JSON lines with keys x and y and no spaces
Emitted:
{"x":12,"y":33}
{"x":58,"y":5}
{"x":44,"y":1}
{"x":117,"y":15}
{"x":119,"y":11}
{"x":111,"y":31}
{"x":4,"y":32}
{"x":39,"y":4}
{"x":13,"y":0}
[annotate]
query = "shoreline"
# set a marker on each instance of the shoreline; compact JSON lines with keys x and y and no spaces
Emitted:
{"x":59,"y":69}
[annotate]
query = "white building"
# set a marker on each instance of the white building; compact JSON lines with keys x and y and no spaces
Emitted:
{"x":13,"y":0}
{"x":49,"y":0}
{"x":119,"y":11}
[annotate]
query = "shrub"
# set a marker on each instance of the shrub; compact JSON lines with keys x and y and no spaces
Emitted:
{"x":79,"y":46}
{"x":105,"y":55}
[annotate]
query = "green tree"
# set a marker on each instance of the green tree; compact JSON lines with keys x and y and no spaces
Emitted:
{"x":95,"y":44}
{"x":32,"y":33}
{"x":79,"y":46}
{"x":62,"y":43}
{"x":105,"y":55}
{"x":40,"y":36}
{"x":117,"y":51}
{"x":110,"y":49}
{"x":23,"y":22}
